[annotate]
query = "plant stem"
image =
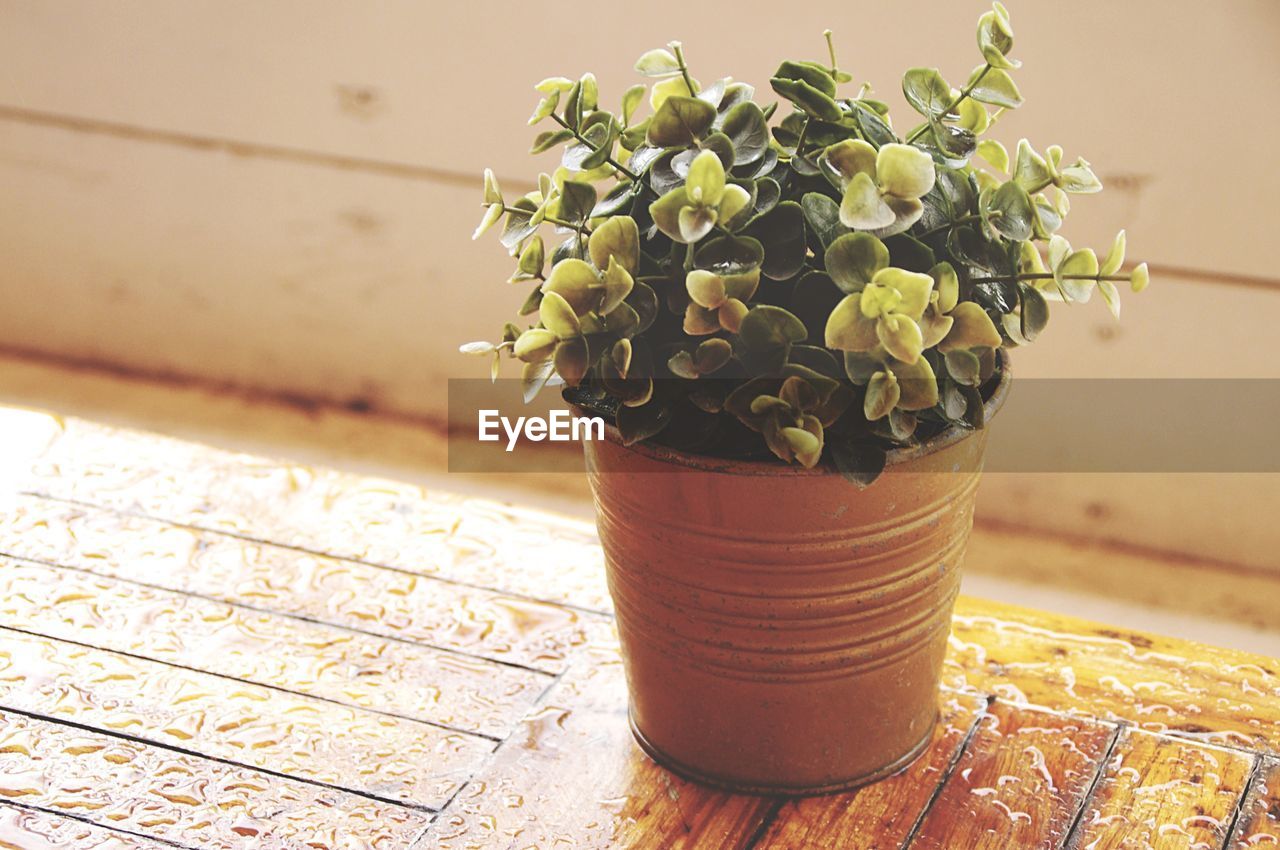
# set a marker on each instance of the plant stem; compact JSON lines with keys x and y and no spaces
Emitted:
{"x":953,"y":104}
{"x":688,"y":256}
{"x":1048,"y":276}
{"x":558,"y":221}
{"x":609,"y":159}
{"x":804,"y":131}
{"x":678,"y":50}
{"x":831,"y":49}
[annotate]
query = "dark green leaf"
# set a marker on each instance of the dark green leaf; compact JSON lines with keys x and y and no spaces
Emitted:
{"x":1016,"y":213}
{"x":859,"y":463}
{"x":745,"y":126}
{"x":808,"y":98}
{"x":781,"y":232}
{"x":549,"y":139}
{"x":680,"y":121}
{"x":822,"y":214}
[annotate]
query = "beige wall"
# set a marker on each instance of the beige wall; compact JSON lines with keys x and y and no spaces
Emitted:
{"x":280,"y":195}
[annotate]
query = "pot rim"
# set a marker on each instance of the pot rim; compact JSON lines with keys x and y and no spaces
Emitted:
{"x":709,"y":463}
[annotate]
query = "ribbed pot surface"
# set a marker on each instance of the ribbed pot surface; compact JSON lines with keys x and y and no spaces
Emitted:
{"x":783,"y":631}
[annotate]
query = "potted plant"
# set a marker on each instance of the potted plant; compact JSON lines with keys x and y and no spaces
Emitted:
{"x":770,"y":302}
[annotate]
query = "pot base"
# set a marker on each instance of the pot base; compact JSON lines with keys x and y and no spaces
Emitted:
{"x":685,"y":772}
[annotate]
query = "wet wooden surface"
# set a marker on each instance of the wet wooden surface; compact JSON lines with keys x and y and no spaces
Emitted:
{"x":200,"y":649}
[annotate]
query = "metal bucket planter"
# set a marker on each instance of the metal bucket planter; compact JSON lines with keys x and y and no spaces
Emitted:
{"x":783,"y":631}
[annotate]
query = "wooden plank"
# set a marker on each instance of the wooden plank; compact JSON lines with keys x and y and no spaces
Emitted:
{"x":193,"y":802}
{"x":1019,"y":782}
{"x":1258,"y":821}
{"x":1159,"y":684}
{"x":376,"y":521}
{"x":393,"y":603}
{"x":347,"y":667}
{"x":1163,"y":794}
{"x":880,"y":815}
{"x":385,"y":757}
{"x":357,"y":82}
{"x":573,"y":777}
{"x":30,"y":829}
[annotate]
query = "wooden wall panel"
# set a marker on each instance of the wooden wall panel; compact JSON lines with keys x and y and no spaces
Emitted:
{"x":387,"y":82}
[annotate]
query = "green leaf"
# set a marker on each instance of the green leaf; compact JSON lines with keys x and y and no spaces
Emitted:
{"x":571,"y":360}
{"x":781,"y":232}
{"x":681,"y":365}
{"x":860,"y":366}
{"x":766,"y":336}
{"x":630,"y":100}
{"x":636,"y":423}
{"x":996,"y":88}
{"x":665,"y":212}
{"x":1139,"y":278}
{"x":705,"y":182}
{"x":1034,"y":314}
{"x":847,"y":159}
{"x":617,"y":239}
{"x":1016,"y":211}
{"x":913,"y":289}
{"x":904,"y":171}
{"x":995,"y":39}
{"x":964,"y":367}
{"x":882,"y":396}
{"x":947,"y":284}
{"x":535,"y":345}
{"x":860,"y":463}
{"x":577,"y":199}
{"x":1030,"y":169}
{"x":918,"y":386}
{"x":1111,"y":296}
{"x":994,"y":153}
{"x":734,"y":206}
{"x":746,"y":127}
{"x":531,"y":259}
{"x":617,"y":286}
{"x":973,"y":116}
{"x":545,"y":108}
{"x":1072,"y":274}
{"x":535,"y":377}
{"x":658,"y":63}
{"x":712,"y":355}
{"x":853,"y":260}
{"x":680,"y":121}
{"x":927,"y":92}
{"x":862,"y":207}
{"x":549,"y":139}
{"x":1079,"y":178}
{"x":812,"y":73}
{"x":1115,"y":257}
{"x":822,"y":214}
{"x":973,"y":328}
{"x":706,"y":288}
{"x":576,"y":282}
{"x":492,"y":213}
{"x":695,"y":223}
{"x":848,"y":328}
{"x":900,"y":336}
{"x":813,"y":101}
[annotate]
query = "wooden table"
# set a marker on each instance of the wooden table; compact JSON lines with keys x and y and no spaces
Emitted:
{"x":202,"y":649}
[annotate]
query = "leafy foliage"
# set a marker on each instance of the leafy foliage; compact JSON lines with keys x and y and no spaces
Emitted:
{"x":795,"y":277}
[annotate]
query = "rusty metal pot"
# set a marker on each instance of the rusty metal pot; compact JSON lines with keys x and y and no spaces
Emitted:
{"x":784,"y":631}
